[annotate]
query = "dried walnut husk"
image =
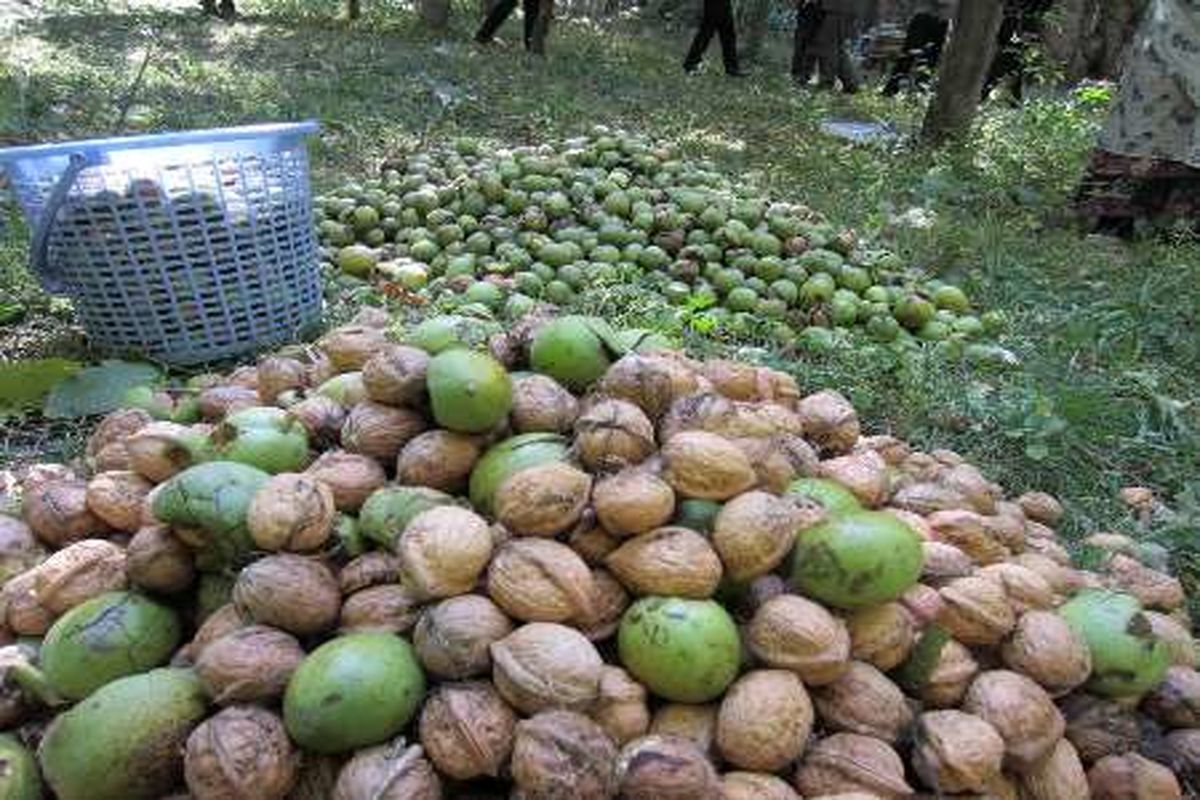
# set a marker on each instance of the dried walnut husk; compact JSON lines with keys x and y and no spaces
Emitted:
{"x":157,"y":561}
{"x":612,"y":435}
{"x":1045,"y":648}
{"x":248,"y":665}
{"x":953,"y":674}
{"x":1175,"y":703}
{"x":350,"y":476}
{"x":444,"y":550}
{"x":116,"y":498}
{"x":1059,"y":776}
{"x":217,"y":402}
{"x":755,"y":531}
{"x":542,"y":500}
{"x":562,"y":754}
{"x":976,"y":611}
{"x":1099,"y":727}
{"x":1131,"y":776}
{"x":438,"y":459}
{"x":541,"y":404}
{"x":241,"y":753}
{"x":658,"y":767}
{"x":1026,"y":590}
{"x":704,"y":465}
{"x":632,"y":502}
{"x":1182,"y":750}
{"x":19,"y":549}
{"x":467,"y":730}
{"x":764,"y":720}
{"x":863,"y":700}
{"x":351,"y":346}
{"x":1021,"y":712}
{"x":78,"y":573}
{"x":380,"y":431}
{"x":944,"y":563}
{"x":322,"y":419}
{"x":956,"y":752}
{"x":592,"y":542}
{"x":650,"y":381}
{"x":864,"y":473}
{"x":290,"y":592}
{"x":968,"y":531}
{"x":620,"y":709}
{"x":544,"y":665}
{"x":845,"y":763}
{"x":1176,"y":636}
{"x":114,"y":429}
{"x":453,"y":637}
{"x":882,"y":635}
{"x":370,"y":569}
{"x":395,"y":375}
{"x":291,"y":511}
{"x":388,"y":607}
{"x":1041,"y":507}
{"x":778,"y":460}
{"x":791,"y":632}
{"x":57,"y":512}
{"x":392,"y":771}
{"x":1153,"y":588}
{"x":540,"y":580}
{"x":667,"y":561}
{"x":609,"y":602}
{"x":220,"y":622}
{"x":755,"y":786}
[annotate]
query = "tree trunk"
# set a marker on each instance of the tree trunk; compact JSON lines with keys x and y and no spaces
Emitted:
{"x":541,"y":27}
{"x":1118,"y":21}
{"x":435,"y":13}
{"x":964,"y":66}
{"x":1068,"y":36}
{"x":754,"y":18}
{"x":353,"y":9}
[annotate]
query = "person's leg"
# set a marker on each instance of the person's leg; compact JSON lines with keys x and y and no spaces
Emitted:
{"x":494,"y":20}
{"x":801,"y":62}
{"x":530,"y":9}
{"x":703,"y":36}
{"x":847,"y":70}
{"x":728,"y":35}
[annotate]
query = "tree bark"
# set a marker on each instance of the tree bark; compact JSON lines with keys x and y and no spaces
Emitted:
{"x":353,"y":9}
{"x":963,"y":69}
{"x":754,"y":18}
{"x":435,"y":13}
{"x":541,"y":27}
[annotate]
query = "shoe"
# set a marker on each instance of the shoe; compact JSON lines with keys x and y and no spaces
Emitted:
{"x":691,"y":72}
{"x":483,"y":41}
{"x":737,"y":73}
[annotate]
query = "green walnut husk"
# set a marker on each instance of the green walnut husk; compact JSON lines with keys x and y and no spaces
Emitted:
{"x":1128,"y":659}
{"x":857,"y":559}
{"x":469,"y":392}
{"x":686,"y":651}
{"x":387,"y":512}
{"x":125,"y":741}
{"x":829,"y":495}
{"x":212,"y":498}
{"x":508,"y":457}
{"x":353,"y":691}
{"x":19,"y":777}
{"x":575,"y":351}
{"x":108,"y":637}
{"x":267,"y":438}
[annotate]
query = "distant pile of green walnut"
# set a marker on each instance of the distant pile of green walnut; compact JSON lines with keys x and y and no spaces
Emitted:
{"x":504,"y":229}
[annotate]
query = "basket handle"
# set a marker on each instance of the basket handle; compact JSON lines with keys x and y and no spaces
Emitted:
{"x":47,"y":275}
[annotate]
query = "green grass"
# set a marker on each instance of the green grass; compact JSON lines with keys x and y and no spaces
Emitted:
{"x":1107,"y":392}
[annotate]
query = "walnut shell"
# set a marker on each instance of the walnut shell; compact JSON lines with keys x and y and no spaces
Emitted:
{"x":217,"y":402}
{"x":882,"y":635}
{"x":778,"y":460}
{"x":220,"y":622}
{"x":953,"y":674}
{"x":651,"y":381}
{"x":291,"y":512}
{"x":1153,"y":588}
{"x":1062,"y":579}
{"x":57,"y":512}
{"x":392,"y":771}
{"x":979,"y":492}
{"x":967,"y":531}
{"x":755,"y":786}
{"x":633,"y":502}
{"x":1041,"y":507}
{"x":864,"y":700}
{"x":541,"y":404}
{"x":609,"y":602}
{"x":78,"y":573}
{"x":696,"y":723}
{"x":542,"y":500}
{"x":667,"y":561}
{"x":926,"y":497}
{"x":1021,"y":712}
{"x":349,"y":347}
{"x":22,"y":613}
{"x":1048,"y":650}
{"x":390,"y":607}
{"x":975,"y":610}
{"x":1058,"y":777}
{"x":467,"y":730}
{"x":740,"y":381}
{"x":764,"y":720}
{"x":706,"y":466}
{"x":943,"y":563}
{"x":710,"y":412}
{"x":372,"y":568}
{"x":19,"y":549}
{"x":845,"y":763}
{"x":612,"y":435}
{"x":290,"y":592}
{"x":1100,"y":727}
{"x":1026,"y":590}
{"x":830,"y":422}
{"x":1130,"y":776}
{"x":444,"y":551}
{"x":893,"y":450}
{"x":115,"y":428}
{"x":956,"y":752}
{"x":1176,"y":636}
{"x":1182,"y":749}
{"x":660,"y":767}
{"x":755,"y":531}
{"x":322,"y":419}
{"x":248,"y":665}
{"x":157,"y":561}
{"x":116,"y":498}
{"x":792,"y":632}
{"x":540,"y":580}
{"x":351,"y":477}
{"x":380,"y":431}
{"x":241,"y":752}
{"x":395,"y":375}
{"x":453,"y":637}
{"x":438,"y":459}
{"x":560,"y":754}
{"x":1175,"y":703}
{"x":543,"y":665}
{"x":864,"y":473}
{"x":621,"y":708}
{"x":592,"y":542}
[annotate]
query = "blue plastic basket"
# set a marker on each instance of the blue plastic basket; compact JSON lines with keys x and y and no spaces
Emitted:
{"x":184,"y":247}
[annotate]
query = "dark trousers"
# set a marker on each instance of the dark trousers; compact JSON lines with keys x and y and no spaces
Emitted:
{"x":808,"y":17}
{"x":718,"y":19}
{"x":501,"y":11}
{"x":923,"y":43}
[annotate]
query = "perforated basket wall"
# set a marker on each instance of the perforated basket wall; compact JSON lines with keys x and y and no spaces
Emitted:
{"x":184,"y":253}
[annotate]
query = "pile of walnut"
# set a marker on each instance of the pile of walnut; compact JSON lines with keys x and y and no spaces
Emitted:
{"x":515,"y":630}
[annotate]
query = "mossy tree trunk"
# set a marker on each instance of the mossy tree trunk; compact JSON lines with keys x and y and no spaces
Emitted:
{"x":435,"y":13}
{"x":963,"y":69}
